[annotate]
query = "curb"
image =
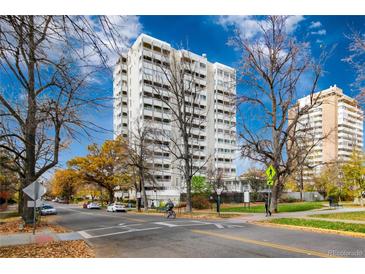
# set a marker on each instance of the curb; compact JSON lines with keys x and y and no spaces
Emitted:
{"x":312,"y":229}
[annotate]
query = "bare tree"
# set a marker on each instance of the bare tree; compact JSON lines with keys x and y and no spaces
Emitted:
{"x":273,"y":64}
{"x":140,"y":157}
{"x":176,"y":82}
{"x":356,"y":59}
{"x":46,"y":65}
{"x":215,"y":179}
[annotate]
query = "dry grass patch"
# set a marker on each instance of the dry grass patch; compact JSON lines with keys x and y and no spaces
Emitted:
{"x":13,"y":224}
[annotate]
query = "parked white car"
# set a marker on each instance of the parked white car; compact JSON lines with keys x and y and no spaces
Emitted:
{"x":48,"y":210}
{"x":116,"y":207}
{"x":93,"y":206}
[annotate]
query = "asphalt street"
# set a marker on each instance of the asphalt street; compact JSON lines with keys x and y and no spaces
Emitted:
{"x":135,"y":235}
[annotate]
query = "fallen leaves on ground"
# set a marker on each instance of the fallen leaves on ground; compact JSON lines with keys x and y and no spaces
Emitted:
{"x":13,"y":226}
{"x":62,"y":249}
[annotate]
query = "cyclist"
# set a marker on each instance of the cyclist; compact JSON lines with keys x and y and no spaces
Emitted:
{"x":169,"y":206}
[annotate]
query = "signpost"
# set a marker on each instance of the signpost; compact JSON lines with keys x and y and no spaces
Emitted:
{"x":246,"y":198}
{"x":37,"y":204}
{"x":270,"y":174}
{"x":35,"y":191}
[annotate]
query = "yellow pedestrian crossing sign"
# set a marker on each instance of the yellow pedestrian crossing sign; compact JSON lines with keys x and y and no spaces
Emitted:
{"x":270,"y":182}
{"x":270,"y":172}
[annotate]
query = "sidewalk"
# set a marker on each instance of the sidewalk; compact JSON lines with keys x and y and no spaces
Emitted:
{"x":39,"y":238}
{"x":255,"y":217}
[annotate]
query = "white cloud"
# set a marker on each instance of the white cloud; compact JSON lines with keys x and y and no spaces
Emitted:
{"x":250,"y":26}
{"x":126,"y":29}
{"x":292,"y":22}
{"x":315,"y":24}
{"x":319,"y":32}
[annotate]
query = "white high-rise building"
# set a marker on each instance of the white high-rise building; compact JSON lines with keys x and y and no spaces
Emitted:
{"x":335,"y":126}
{"x":136,"y":99}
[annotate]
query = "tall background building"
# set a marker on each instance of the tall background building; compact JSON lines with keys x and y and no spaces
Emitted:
{"x":334,"y":126}
{"x":135,"y":78}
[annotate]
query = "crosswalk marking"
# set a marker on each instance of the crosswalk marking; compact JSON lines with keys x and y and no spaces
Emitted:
{"x":88,"y":236}
{"x":85,"y":234}
{"x":220,"y":226}
{"x":166,"y":224}
{"x":231,"y":226}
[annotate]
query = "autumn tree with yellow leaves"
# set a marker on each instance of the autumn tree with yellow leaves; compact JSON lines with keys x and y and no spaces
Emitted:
{"x":106,"y":166}
{"x":65,"y":184}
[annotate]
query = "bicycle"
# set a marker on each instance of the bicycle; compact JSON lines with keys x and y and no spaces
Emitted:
{"x":170,"y":214}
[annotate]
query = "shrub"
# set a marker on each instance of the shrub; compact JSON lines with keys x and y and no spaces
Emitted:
{"x":289,"y":200}
{"x":200,"y":202}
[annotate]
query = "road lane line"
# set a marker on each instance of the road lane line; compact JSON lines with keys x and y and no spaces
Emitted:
{"x":102,"y":228}
{"x":136,"y":220}
{"x":266,"y":244}
{"x":122,"y":232}
{"x":219,"y":226}
{"x":84,"y":234}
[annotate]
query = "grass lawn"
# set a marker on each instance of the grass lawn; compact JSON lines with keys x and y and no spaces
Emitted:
{"x":287,"y":207}
{"x":8,"y":214}
{"x":356,"y":216}
{"x":320,"y":224}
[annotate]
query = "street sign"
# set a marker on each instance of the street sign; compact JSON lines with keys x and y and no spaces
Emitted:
{"x":246,"y":197}
{"x":35,"y":190}
{"x":37,"y":204}
{"x":270,"y":172}
{"x":270,"y":182}
{"x":219,"y":190}
{"x":138,"y":195}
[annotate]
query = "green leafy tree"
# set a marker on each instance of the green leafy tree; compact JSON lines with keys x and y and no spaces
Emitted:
{"x":354,"y":174}
{"x":199,"y":185}
{"x":331,"y":183}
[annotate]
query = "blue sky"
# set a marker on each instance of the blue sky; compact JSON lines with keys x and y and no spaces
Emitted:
{"x":209,"y":35}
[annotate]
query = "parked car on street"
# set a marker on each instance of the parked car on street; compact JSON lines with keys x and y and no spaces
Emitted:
{"x":93,"y":206}
{"x":48,"y":210}
{"x":114,"y":207}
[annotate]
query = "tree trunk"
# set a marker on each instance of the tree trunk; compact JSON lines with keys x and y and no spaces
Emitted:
{"x":111,"y":196}
{"x":189,"y":206}
{"x":275,"y":195}
{"x":31,"y":125}
{"x":143,"y":190}
{"x":144,"y":196}
{"x":20,"y":202}
{"x":301,"y":185}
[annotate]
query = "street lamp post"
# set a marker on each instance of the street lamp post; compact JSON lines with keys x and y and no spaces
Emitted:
{"x":155,"y":190}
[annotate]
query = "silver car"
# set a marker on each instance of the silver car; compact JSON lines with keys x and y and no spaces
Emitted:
{"x":48,"y":210}
{"x":116,"y":208}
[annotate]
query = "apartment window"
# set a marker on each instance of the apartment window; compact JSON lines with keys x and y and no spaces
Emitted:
{"x":147,"y":58}
{"x":157,"y":49}
{"x":147,"y":45}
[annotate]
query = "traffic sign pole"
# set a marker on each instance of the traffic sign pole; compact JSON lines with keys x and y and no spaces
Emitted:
{"x":270,"y":174}
{"x":36,"y":187}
